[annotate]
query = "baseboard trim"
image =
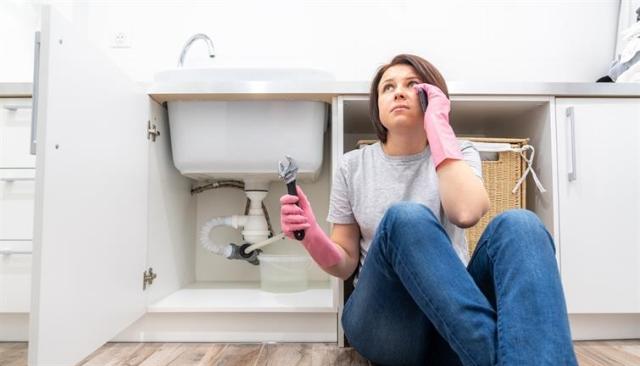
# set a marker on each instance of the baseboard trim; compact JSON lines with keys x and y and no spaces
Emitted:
{"x":604,"y":326}
{"x":14,"y":327}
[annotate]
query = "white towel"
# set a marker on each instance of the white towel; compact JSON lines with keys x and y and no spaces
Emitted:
{"x":632,"y":74}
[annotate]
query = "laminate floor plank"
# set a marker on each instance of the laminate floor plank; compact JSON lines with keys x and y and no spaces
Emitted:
{"x":608,"y":353}
{"x":13,"y":354}
{"x":236,"y":354}
{"x":113,"y":354}
{"x":165,"y":354}
{"x":199,"y":354}
{"x":589,"y":353}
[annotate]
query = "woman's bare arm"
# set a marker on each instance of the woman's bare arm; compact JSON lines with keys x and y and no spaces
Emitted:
{"x":462,"y":193}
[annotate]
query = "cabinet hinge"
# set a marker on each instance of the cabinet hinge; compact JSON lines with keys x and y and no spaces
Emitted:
{"x":152,"y":132}
{"x":147,"y":278}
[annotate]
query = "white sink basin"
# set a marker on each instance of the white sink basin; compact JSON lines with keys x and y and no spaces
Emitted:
{"x":244,"y":139}
{"x":226,"y":75}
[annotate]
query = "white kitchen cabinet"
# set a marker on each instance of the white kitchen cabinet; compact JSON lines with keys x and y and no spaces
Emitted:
{"x":594,"y":218}
{"x":16,"y":205}
{"x":15,"y":133}
{"x":110,"y":205}
{"x":16,"y":222}
{"x":17,"y":170}
{"x":15,"y":284}
{"x":504,"y":116}
{"x":599,"y":203}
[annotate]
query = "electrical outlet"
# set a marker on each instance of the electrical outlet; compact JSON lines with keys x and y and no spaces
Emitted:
{"x":120,"y":40}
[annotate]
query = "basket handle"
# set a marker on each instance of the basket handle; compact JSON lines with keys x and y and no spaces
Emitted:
{"x":529,"y":161}
{"x":499,"y":147}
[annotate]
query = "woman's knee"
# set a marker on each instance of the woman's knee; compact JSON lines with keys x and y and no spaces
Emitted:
{"x":402,"y":225}
{"x":517,"y":215}
{"x":519,"y":218}
{"x":525,"y":224}
{"x":409,"y":213}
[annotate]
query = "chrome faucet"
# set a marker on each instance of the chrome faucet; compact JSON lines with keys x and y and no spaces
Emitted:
{"x":192,"y":39}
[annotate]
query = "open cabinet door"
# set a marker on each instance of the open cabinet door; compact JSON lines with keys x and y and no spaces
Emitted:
{"x":90,"y":229}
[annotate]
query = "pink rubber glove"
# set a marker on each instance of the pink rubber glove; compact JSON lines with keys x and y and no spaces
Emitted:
{"x":442,"y":140}
{"x":317,"y":243}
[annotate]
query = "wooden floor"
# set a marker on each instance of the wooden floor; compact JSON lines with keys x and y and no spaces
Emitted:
{"x":590,"y":353}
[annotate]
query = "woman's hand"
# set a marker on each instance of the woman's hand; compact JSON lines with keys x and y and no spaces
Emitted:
{"x":294,"y":217}
{"x":324,"y":251}
{"x":442,"y":140}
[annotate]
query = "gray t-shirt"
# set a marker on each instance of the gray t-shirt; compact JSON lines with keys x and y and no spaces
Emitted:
{"x":368,"y":181}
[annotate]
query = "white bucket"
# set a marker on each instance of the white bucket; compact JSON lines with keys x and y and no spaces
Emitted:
{"x":284,"y":273}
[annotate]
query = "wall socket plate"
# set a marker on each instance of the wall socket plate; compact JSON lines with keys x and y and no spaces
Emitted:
{"x":120,"y":40}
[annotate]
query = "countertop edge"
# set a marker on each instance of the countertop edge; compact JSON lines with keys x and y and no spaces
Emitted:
{"x":9,"y":90}
{"x":327,"y":90}
{"x":330,"y":89}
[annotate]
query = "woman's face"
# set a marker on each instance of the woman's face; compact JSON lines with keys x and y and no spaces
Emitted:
{"x":398,"y":101}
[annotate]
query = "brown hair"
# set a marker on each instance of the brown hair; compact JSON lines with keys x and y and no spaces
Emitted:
{"x":427,"y":74}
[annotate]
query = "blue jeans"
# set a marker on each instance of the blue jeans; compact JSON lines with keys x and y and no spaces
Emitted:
{"x":415,"y":303}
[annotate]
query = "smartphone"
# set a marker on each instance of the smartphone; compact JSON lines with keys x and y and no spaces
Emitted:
{"x":424,"y":102}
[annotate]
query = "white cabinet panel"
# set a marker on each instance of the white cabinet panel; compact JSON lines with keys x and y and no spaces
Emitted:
{"x":599,"y":203}
{"x":16,"y":204}
{"x":15,"y":276}
{"x":90,"y":227}
{"x":15,"y":133}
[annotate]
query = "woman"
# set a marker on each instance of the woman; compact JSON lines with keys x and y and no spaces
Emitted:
{"x":398,"y":208}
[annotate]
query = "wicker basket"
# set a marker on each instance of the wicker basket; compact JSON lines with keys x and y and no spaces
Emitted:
{"x":500,"y":177}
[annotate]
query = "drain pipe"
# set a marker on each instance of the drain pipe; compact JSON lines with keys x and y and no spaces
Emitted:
{"x":219,"y":249}
{"x":255,"y":227}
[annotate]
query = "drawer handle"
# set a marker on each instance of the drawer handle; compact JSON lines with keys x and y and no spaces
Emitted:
{"x":15,"y":107}
{"x":9,"y":252}
{"x":13,"y":179}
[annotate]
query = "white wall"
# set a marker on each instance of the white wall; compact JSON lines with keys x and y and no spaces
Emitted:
{"x":17,"y":25}
{"x":506,"y":40}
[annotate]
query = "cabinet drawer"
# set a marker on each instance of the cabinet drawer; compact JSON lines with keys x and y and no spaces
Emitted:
{"x":15,"y":277}
{"x":17,"y":189}
{"x":15,"y":133}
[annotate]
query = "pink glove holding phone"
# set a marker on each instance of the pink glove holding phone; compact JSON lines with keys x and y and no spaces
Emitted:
{"x":442,"y":140}
{"x":317,"y":243}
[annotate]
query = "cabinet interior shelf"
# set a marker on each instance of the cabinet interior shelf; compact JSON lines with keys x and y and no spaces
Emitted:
{"x":245,"y":297}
